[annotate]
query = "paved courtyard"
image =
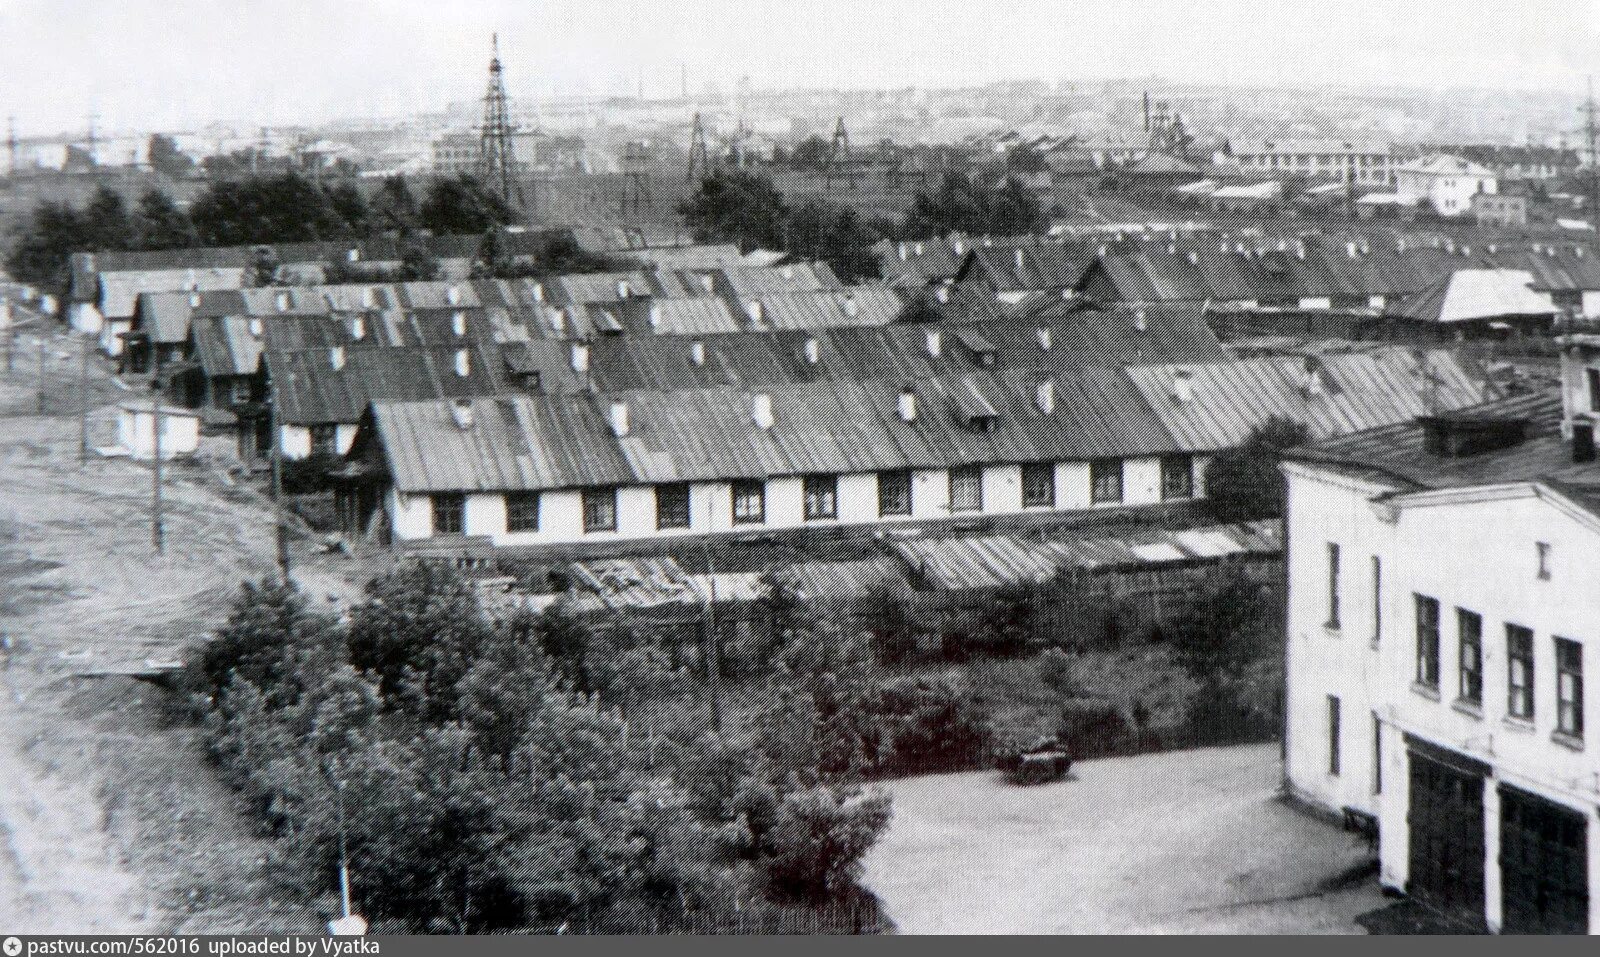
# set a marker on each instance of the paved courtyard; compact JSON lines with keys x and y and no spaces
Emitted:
{"x":1184,"y":842}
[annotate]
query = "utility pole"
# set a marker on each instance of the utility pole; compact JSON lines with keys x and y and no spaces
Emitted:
{"x":1591,"y":131}
{"x":281,"y":534}
{"x":83,"y":399}
{"x":713,"y":648}
{"x":157,"y":533}
{"x":11,"y":144}
{"x":38,"y":395}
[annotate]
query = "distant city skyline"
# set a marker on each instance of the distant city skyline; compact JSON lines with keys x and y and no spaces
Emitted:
{"x":180,"y":64}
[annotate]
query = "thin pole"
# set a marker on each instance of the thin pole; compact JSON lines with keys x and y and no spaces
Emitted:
{"x":713,"y":644}
{"x":157,"y":535}
{"x":282,"y":534}
{"x":83,"y":398}
{"x":344,"y":858}
{"x":39,"y":393}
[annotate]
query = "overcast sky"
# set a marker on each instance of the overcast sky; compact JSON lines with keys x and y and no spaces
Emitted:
{"x":175,"y":64}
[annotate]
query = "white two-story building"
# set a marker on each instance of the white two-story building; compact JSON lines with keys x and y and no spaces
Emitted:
{"x":1444,"y":579}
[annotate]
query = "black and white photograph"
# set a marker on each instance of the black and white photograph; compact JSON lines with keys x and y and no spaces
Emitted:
{"x":796,"y":467}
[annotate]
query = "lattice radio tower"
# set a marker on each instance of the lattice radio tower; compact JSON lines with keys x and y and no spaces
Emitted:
{"x":497,"y":161}
{"x":699,"y":154}
{"x":839,"y":155}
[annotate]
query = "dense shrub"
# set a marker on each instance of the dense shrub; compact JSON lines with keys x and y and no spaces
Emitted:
{"x":932,"y":724}
{"x":1091,"y":727}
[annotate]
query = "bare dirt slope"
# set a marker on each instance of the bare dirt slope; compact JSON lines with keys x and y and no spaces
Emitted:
{"x":110,"y":818}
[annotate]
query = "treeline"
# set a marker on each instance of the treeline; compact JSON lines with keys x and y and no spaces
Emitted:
{"x":745,"y":207}
{"x":537,"y":774}
{"x":251,"y":210}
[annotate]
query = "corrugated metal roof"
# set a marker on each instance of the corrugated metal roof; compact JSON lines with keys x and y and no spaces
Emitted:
{"x":1359,"y":391}
{"x":310,"y":390}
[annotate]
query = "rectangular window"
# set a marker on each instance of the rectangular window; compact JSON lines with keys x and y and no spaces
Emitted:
{"x":1469,"y":630}
{"x":966,"y":489}
{"x":672,"y":506}
{"x":1427,"y":641}
{"x":324,"y":440}
{"x":1569,"y":687}
{"x":449,"y":513}
{"x":1377,"y":599}
{"x":1333,"y":585}
{"x":821,"y":497}
{"x":749,"y":502}
{"x":522,"y":511}
{"x":1519,"y":671}
{"x":1333,"y":734}
{"x":1592,"y":376}
{"x":1039,"y":485}
{"x":1377,"y":754}
{"x":1177,"y":477}
{"x":599,"y":510}
{"x":894,"y":493}
{"x":1105,"y":481}
{"x":239,"y":390}
{"x":1542,"y":552}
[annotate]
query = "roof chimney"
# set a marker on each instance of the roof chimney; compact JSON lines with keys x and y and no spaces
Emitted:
{"x":761,"y":410}
{"x":708,"y":282}
{"x":697,"y":353}
{"x":463,"y":363}
{"x":1194,"y":258}
{"x":754,"y":311}
{"x":1312,"y":383}
{"x":1043,"y":332}
{"x":558,"y":320}
{"x":1183,"y":386}
{"x":369,"y":297}
{"x":942,"y":293}
{"x":623,"y":289}
{"x":935,"y":341}
{"x":358,"y":328}
{"x":352,"y":255}
{"x":458,"y":323}
{"x":452,"y":295}
{"x":813,"y":351}
{"x":852,"y":308}
{"x":580,"y":357}
{"x":960,"y":246}
{"x":903,"y":252}
{"x":619,"y":418}
{"x":461,"y":412}
{"x":654,"y":316}
{"x":1140,"y":323}
{"x":336,"y":357}
{"x":538,"y":292}
{"x":255,"y":327}
{"x":1045,"y":396}
{"x":919,"y":249}
{"x":283,"y":302}
{"x":194,"y":300}
{"x":1016,"y":256}
{"x":907,"y":404}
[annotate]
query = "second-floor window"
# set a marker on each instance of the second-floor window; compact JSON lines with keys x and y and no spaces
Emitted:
{"x":1039,"y":485}
{"x":1469,"y":631}
{"x":1377,"y":599}
{"x":1569,"y":687}
{"x":522,"y":511}
{"x":1333,"y":585}
{"x":1105,"y":481}
{"x":966,"y":489}
{"x":599,"y":509}
{"x":821,"y":497}
{"x":749,"y":502}
{"x":1519,"y":671}
{"x":1427,"y":641}
{"x":672,"y":506}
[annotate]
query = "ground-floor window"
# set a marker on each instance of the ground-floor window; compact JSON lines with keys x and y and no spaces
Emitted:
{"x":894,"y":493}
{"x":821,"y":497}
{"x":1105,"y":481}
{"x":1333,"y":734}
{"x":1177,"y":477}
{"x":449,"y":513}
{"x":749,"y":502}
{"x":522,"y":511}
{"x":1039,"y":485}
{"x":599,"y":510}
{"x":966,"y":489}
{"x":672,"y":506}
{"x":324,"y":440}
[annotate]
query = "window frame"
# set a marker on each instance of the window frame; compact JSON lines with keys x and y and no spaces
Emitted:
{"x":1569,"y":676}
{"x":1169,"y":469}
{"x":1097,"y":478}
{"x":449,"y":504}
{"x":519,"y":504}
{"x":1591,"y":378}
{"x":1036,"y":470}
{"x":594,"y":501}
{"x":1520,"y":701}
{"x":670,"y":518}
{"x":1334,"y":560}
{"x":743,"y":491}
{"x":1335,"y":734}
{"x":1469,"y":680}
{"x":1542,"y":553}
{"x":1427,"y":648}
{"x":1377,"y":599}
{"x":963,"y":476}
{"x":819,"y":498}
{"x":324,"y":438}
{"x":904,"y":478}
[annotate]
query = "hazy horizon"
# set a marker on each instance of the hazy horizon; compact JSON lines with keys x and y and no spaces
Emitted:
{"x":180,"y":64}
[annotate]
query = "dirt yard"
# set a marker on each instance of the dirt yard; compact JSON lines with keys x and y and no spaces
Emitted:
{"x":1187,"y":842}
{"x":110,"y":818}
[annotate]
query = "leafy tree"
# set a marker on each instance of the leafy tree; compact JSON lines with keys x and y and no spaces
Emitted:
{"x":283,"y":208}
{"x":1227,"y":625}
{"x":737,"y":206}
{"x":811,"y":153}
{"x":1025,"y":159}
{"x":43,"y":252}
{"x":1244,"y":483}
{"x":158,"y":223}
{"x":820,"y":837}
{"x":836,"y":235}
{"x":269,"y":620}
{"x":418,"y":631}
{"x":347,"y":203}
{"x":264,"y":265}
{"x":417,"y":262}
{"x":107,"y":220}
{"x":165,"y":157}
{"x":932,"y":722}
{"x":458,"y":205}
{"x":394,"y":208}
{"x":961,"y":204}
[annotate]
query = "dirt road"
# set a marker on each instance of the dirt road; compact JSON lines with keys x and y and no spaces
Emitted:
{"x":110,"y":818}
